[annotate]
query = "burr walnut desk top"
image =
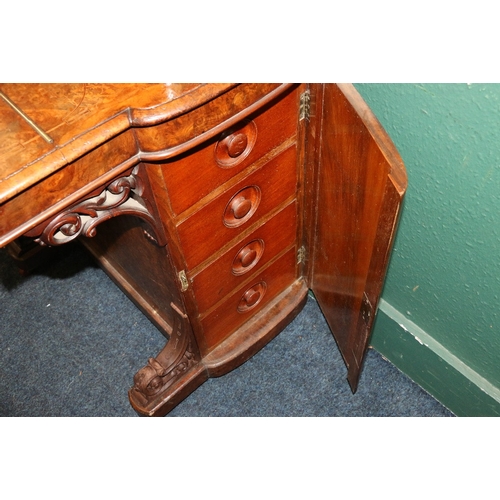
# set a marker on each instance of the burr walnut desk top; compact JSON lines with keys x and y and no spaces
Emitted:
{"x":215,"y":207}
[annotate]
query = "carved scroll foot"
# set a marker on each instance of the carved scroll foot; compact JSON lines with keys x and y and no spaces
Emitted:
{"x":172,"y":375}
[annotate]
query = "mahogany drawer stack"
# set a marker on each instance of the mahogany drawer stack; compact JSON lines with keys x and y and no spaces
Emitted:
{"x":233,"y":203}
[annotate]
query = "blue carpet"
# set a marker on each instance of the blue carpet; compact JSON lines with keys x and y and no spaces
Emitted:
{"x":71,"y":342}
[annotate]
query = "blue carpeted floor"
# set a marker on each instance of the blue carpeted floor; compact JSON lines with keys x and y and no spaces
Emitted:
{"x":71,"y":342}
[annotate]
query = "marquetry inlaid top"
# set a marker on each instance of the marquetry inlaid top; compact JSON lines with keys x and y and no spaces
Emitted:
{"x":43,"y":127}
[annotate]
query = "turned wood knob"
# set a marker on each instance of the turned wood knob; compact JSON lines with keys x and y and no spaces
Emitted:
{"x":240,"y":207}
{"x":236,"y":144}
{"x":247,"y":256}
{"x":252,"y":297}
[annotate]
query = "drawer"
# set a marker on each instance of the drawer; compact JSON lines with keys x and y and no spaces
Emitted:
{"x":192,"y":176}
{"x":234,"y":211}
{"x":248,"y":300}
{"x":245,"y":258}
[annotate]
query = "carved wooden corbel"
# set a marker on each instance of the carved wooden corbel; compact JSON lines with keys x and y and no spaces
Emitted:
{"x":122,"y":197}
{"x":174,"y":359}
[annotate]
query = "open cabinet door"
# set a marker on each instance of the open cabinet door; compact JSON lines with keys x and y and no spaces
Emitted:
{"x":360,"y":182}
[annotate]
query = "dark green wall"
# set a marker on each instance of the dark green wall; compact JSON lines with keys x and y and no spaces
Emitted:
{"x":443,"y":285}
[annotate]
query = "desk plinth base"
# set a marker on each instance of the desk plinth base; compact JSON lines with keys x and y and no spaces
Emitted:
{"x":231,"y":353}
{"x":134,"y":263}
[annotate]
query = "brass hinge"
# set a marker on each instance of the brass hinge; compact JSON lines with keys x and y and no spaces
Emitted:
{"x":184,"y":281}
{"x":301,"y":255}
{"x":305,"y":106}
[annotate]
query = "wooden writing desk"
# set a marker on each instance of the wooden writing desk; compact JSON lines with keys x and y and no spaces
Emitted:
{"x":215,"y":207}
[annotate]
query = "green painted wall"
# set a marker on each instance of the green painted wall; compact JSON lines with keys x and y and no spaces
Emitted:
{"x":444,"y":275}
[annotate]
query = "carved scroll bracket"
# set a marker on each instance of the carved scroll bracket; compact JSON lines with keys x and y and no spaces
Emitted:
{"x":121,"y":197}
{"x":175,"y":359}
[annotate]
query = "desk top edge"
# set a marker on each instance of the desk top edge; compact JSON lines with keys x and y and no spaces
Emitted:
{"x":78,"y":118}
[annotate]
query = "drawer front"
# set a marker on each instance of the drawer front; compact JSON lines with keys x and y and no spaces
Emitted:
{"x":248,"y":300}
{"x":237,"y":209}
{"x":192,"y":176}
{"x":245,"y":258}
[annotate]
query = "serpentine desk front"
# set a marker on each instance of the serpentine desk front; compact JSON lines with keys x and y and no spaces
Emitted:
{"x":215,"y":207}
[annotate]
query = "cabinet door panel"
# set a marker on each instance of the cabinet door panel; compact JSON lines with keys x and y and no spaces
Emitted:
{"x":360,"y":181}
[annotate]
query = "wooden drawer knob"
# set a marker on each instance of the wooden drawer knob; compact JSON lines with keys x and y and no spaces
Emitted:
{"x":252,"y":297}
{"x":236,"y":144}
{"x":247,"y":257}
{"x":241,"y":206}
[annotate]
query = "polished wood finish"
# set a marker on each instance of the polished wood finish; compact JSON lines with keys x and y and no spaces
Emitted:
{"x":214,"y":282}
{"x":59,"y":174}
{"x":265,"y":192}
{"x":360,"y":181}
{"x":214,"y":207}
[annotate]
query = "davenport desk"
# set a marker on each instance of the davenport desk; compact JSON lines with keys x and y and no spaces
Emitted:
{"x":215,"y":208}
